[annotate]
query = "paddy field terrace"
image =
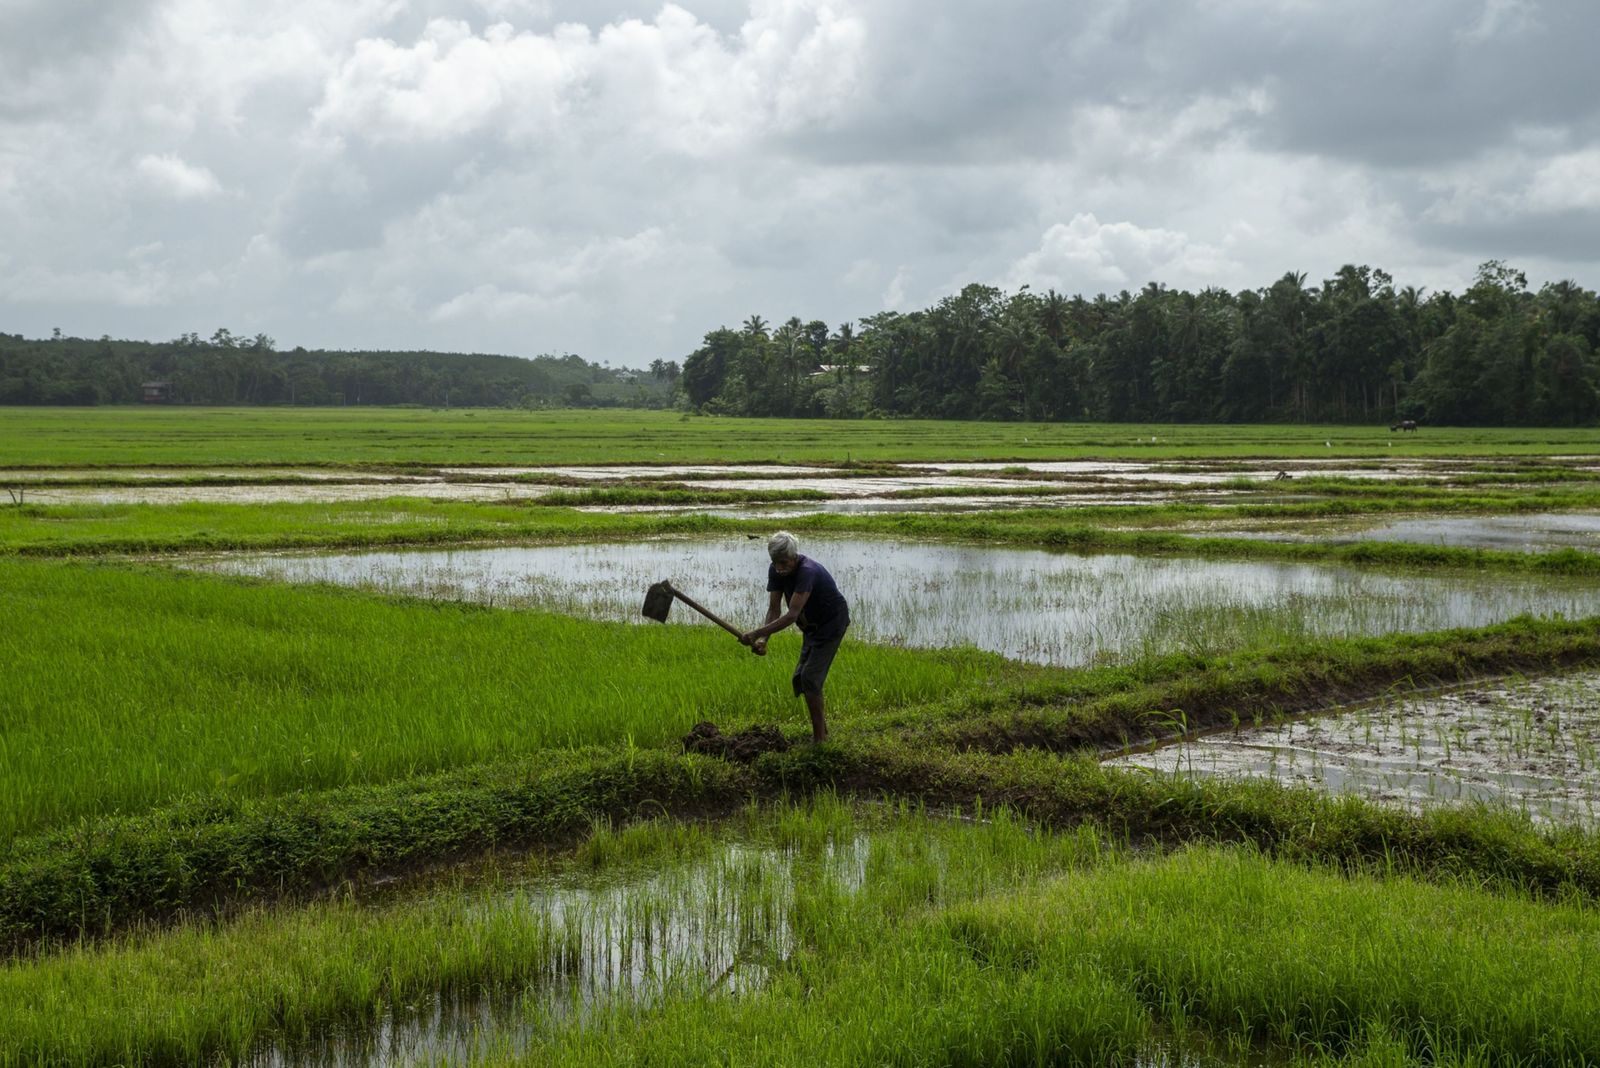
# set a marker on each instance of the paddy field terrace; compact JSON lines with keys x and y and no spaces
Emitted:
{"x":334,"y":737}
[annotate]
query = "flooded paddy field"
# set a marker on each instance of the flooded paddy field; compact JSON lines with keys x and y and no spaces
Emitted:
{"x":837,"y":934}
{"x":1042,"y":607}
{"x":716,"y":921}
{"x":981,"y":486}
{"x":907,"y":505}
{"x":1524,"y":533}
{"x":1531,"y":746}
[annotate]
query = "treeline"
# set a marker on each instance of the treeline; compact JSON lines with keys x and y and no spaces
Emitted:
{"x":1355,"y":349}
{"x":230,"y":370}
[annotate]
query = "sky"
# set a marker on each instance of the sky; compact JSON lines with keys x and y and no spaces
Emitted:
{"x":618,"y":178}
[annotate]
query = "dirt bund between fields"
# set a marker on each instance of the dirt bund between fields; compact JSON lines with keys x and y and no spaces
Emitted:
{"x":1032,"y":750}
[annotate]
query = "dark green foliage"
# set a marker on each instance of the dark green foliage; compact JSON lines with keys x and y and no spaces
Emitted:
{"x":205,"y":854}
{"x":227,"y":370}
{"x":1354,"y":350}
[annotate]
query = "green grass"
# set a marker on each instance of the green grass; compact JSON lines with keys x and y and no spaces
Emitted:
{"x":204,"y":853}
{"x":983,"y":941}
{"x":97,"y":530}
{"x":173,"y":744}
{"x":129,"y":688}
{"x":1215,"y":944}
{"x":147,"y":528}
{"x":188,"y":436}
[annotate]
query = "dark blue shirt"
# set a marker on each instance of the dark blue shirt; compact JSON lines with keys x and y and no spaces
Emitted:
{"x":826,"y":614}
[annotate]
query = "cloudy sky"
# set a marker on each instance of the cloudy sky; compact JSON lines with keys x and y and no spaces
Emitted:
{"x":616,"y":177}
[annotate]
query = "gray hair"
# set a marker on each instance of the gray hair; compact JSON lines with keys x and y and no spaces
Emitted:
{"x":783,"y":545}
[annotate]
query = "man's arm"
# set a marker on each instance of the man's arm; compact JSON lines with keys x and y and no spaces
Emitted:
{"x":775,"y":621}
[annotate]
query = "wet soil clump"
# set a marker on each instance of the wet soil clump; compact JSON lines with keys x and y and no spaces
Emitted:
{"x":741,"y":747}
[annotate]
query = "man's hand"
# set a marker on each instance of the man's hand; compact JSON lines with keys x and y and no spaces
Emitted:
{"x":756,"y":642}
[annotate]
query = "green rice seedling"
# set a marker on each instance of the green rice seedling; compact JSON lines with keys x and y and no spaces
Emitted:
{"x":110,"y":437}
{"x":133,"y":689}
{"x":1217,"y":945}
{"x":638,"y":916}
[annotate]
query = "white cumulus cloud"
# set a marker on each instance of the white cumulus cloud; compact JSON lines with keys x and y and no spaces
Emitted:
{"x":1085,"y":254}
{"x":170,"y":175}
{"x":673,"y":82}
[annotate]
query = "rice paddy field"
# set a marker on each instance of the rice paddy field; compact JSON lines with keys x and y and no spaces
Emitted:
{"x":337,"y":738}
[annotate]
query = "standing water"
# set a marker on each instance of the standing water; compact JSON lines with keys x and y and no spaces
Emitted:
{"x":1045,"y":607}
{"x":1532,"y":746}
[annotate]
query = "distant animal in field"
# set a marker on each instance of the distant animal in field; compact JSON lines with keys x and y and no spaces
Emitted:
{"x":1282,"y":476}
{"x":1404,"y":424}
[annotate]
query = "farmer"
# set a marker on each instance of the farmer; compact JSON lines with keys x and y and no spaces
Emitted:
{"x":816,"y":606}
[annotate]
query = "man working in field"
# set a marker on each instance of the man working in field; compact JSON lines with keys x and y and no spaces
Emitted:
{"x":816,"y":606}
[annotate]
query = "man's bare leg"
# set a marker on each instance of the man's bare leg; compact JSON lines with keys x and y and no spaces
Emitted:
{"x":819,"y":724}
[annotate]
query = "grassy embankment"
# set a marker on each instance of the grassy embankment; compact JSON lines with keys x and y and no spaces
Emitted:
{"x":88,"y":530}
{"x":35,"y":437}
{"x":130,"y":688}
{"x":179,"y":741}
{"x":988,"y":942}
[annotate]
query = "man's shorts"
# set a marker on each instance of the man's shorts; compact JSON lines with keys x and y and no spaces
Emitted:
{"x":816,"y":657}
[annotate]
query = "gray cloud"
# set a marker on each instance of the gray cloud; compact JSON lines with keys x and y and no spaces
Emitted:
{"x":616,"y":179}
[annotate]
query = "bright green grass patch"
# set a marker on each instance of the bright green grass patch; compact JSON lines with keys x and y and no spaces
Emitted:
{"x":144,"y":528}
{"x":1217,"y":944}
{"x":1277,"y":953}
{"x":944,"y":942}
{"x":186,"y":995}
{"x":151,"y":435}
{"x":130,"y":688}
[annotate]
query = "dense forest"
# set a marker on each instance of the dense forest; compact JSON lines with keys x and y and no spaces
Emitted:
{"x":1355,"y":349}
{"x":227,"y":369}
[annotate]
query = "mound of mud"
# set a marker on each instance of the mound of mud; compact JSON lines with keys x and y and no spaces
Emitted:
{"x":742,"y":747}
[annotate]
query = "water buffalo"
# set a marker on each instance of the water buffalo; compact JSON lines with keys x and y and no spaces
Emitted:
{"x":1404,"y":424}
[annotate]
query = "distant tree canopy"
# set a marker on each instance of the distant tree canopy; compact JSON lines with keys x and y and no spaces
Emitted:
{"x":228,"y":370}
{"x":1355,"y":349}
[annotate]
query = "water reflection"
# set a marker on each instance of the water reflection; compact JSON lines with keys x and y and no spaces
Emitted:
{"x":1532,"y":746}
{"x":1038,"y":606}
{"x":715,"y":925}
{"x":1548,"y":530}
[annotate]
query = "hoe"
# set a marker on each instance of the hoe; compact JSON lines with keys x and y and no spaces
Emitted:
{"x":658,"y":602}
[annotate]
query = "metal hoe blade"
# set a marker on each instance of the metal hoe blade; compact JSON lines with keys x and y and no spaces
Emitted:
{"x":658,"y":601}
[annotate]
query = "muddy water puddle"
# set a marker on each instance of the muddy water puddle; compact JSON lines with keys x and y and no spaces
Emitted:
{"x":1520,"y":533}
{"x":1045,"y":607}
{"x":1531,"y":746}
